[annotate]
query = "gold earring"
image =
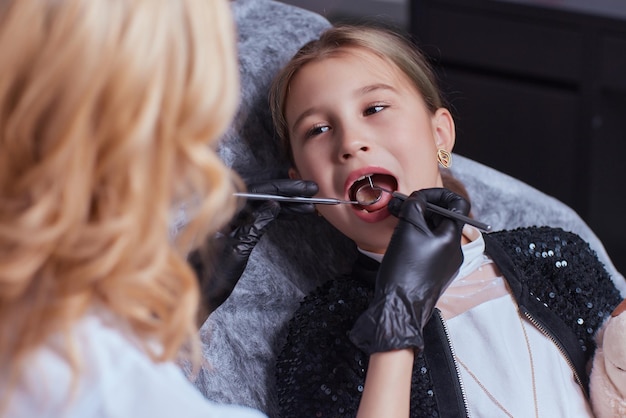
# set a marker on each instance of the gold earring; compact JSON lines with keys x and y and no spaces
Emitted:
{"x":444,"y":158}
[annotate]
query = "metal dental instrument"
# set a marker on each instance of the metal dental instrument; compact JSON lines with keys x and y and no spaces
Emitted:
{"x":297,"y":199}
{"x":366,"y":195}
{"x":375,"y":197}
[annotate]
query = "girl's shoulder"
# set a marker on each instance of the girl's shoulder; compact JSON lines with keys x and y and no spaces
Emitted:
{"x":547,"y":236}
{"x":557,"y":270}
{"x":550,"y":255}
{"x":547,"y":247}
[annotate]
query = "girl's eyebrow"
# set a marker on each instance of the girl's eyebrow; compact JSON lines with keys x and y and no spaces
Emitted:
{"x":303,"y":115}
{"x":361,"y":91}
{"x":373,"y":87}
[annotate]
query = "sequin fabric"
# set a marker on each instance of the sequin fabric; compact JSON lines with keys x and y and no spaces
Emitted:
{"x":320,"y":373}
{"x":563,"y":274}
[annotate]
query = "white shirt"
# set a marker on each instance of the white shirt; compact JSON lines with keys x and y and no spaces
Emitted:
{"x":117,"y":380}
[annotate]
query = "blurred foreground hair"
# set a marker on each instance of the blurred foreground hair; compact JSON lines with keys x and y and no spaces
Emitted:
{"x":109,"y":115}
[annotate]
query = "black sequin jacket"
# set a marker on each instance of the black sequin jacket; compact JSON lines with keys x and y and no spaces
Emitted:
{"x":555,"y":277}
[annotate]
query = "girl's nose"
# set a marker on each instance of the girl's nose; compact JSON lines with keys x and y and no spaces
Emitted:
{"x":351,"y":145}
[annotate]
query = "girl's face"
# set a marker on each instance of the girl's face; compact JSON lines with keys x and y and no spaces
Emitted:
{"x":353,"y":115}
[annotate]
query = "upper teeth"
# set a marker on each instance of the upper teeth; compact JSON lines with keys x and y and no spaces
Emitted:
{"x":367,"y":176}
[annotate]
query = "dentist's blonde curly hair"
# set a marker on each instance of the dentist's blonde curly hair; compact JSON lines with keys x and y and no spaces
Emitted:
{"x":109,"y":113}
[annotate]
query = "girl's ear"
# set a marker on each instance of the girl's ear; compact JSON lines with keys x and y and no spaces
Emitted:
{"x":294,"y":174}
{"x":443,"y":126}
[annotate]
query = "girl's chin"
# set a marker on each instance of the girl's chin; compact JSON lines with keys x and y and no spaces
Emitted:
{"x":376,"y":242}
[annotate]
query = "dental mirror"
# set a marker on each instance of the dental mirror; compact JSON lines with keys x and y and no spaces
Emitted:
{"x":368,"y":194}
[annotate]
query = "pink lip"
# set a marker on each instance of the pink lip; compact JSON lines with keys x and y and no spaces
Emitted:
{"x":354,"y":175}
{"x":372,"y":217}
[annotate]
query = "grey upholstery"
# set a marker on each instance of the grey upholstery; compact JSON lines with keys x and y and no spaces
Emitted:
{"x":242,"y":338}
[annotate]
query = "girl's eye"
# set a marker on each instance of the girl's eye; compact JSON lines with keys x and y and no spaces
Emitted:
{"x":373,"y":109}
{"x":317,"y":130}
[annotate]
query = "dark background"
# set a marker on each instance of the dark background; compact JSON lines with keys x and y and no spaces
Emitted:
{"x":539,"y":93}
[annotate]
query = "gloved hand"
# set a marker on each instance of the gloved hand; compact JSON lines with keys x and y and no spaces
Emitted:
{"x":422,"y":258}
{"x":222,"y":261}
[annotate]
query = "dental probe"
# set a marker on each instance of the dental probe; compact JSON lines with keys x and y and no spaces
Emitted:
{"x":296,"y":199}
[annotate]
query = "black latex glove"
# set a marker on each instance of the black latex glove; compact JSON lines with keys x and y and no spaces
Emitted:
{"x":423,"y":257}
{"x":220,"y":264}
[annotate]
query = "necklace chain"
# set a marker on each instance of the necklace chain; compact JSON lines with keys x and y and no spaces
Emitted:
{"x":532,"y":373}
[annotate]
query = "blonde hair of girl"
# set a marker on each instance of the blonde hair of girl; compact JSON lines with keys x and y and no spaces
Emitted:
{"x":109,"y":114}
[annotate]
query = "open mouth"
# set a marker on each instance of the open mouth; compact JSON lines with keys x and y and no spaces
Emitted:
{"x":362,"y":191}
